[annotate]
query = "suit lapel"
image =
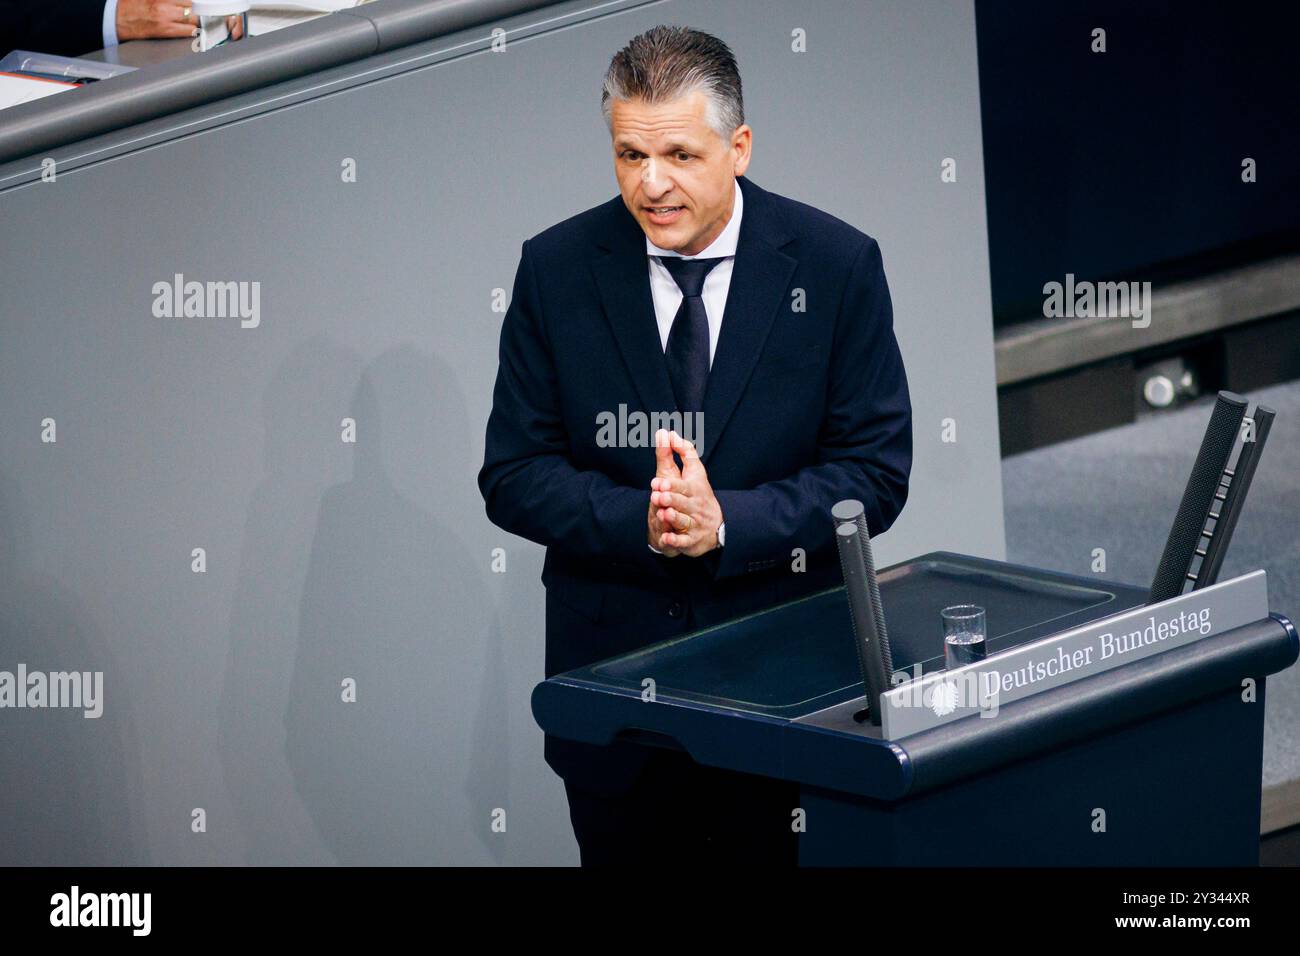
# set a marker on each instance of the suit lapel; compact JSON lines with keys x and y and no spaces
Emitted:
{"x":759,"y":278}
{"x":623,"y":279}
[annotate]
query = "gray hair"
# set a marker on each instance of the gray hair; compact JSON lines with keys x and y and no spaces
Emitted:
{"x":667,"y":62}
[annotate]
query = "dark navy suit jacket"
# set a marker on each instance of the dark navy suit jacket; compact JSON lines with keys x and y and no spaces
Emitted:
{"x":68,"y":27}
{"x":806,"y":403}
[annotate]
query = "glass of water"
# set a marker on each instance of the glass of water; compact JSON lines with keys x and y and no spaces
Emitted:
{"x":964,"y":633}
{"x":215,"y":18}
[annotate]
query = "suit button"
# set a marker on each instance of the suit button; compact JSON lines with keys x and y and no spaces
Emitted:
{"x":675,"y":610}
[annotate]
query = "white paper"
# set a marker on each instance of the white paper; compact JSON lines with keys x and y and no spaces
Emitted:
{"x":16,"y":89}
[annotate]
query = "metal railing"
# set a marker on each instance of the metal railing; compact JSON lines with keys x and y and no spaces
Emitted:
{"x":234,"y":68}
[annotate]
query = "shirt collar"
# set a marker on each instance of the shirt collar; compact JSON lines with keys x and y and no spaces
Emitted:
{"x":724,"y":245}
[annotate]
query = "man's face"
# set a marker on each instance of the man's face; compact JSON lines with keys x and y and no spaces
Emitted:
{"x":667,"y":155}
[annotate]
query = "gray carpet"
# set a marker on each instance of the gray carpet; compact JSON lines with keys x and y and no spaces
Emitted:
{"x":1119,"y":490}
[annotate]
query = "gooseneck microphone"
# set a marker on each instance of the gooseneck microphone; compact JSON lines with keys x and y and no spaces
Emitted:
{"x":1212,"y":482}
{"x":850,"y":509}
{"x":854,"y":545}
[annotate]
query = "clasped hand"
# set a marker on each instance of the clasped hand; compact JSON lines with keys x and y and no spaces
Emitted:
{"x":684,"y":514}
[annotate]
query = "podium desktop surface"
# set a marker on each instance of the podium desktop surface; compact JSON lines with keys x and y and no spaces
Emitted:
{"x":775,"y":692}
{"x":800,"y":657}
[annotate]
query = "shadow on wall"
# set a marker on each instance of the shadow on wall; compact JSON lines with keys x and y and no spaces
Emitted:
{"x":69,"y":786}
{"x":302,"y":457}
{"x":392,"y":599}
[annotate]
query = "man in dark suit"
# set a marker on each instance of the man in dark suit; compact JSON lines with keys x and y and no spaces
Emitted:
{"x":765,"y":327}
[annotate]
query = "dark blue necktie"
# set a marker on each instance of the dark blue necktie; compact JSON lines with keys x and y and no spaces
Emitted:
{"x":688,"y":339}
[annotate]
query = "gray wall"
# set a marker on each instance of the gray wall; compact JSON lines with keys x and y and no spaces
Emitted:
{"x":329,"y":560}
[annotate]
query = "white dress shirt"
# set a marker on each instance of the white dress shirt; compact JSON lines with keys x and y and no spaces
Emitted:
{"x":109,"y":24}
{"x":668,"y":297}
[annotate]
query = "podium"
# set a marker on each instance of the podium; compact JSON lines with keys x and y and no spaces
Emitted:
{"x":1154,"y":762}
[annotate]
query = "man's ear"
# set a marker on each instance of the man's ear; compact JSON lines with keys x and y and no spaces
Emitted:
{"x":742,"y":145}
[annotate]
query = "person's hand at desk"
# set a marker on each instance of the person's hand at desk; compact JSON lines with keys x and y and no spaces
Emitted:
{"x":154,"y":19}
